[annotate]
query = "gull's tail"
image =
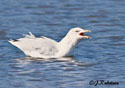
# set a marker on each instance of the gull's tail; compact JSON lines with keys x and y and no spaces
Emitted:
{"x":14,"y":42}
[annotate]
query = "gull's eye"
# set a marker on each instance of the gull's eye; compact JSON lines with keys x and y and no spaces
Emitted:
{"x":77,"y":31}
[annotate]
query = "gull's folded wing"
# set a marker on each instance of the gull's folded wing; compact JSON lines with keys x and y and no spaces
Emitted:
{"x":36,"y":47}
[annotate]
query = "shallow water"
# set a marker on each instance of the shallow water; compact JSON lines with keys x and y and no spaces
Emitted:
{"x":100,"y":58}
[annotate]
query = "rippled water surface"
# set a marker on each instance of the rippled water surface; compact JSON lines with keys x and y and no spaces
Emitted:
{"x":100,"y":58}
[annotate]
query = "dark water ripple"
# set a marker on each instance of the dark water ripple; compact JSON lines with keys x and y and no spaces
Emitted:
{"x":99,"y":58}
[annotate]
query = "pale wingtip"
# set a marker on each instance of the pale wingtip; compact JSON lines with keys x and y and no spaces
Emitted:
{"x":10,"y":40}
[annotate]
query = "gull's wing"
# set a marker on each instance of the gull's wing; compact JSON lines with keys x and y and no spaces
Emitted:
{"x":34,"y":46}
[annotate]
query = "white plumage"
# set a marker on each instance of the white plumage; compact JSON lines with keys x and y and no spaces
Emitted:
{"x":44,"y":47}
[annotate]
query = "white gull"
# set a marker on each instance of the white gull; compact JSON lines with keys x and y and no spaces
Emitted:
{"x":44,"y":47}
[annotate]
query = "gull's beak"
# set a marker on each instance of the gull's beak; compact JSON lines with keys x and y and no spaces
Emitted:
{"x":85,"y":36}
{"x":87,"y":31}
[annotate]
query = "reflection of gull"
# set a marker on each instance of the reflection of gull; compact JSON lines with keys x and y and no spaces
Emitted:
{"x":44,"y":47}
{"x":22,"y":62}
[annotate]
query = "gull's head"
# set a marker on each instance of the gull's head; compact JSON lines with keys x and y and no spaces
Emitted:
{"x":78,"y":33}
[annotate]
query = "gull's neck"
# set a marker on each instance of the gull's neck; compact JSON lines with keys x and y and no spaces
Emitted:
{"x":69,"y":41}
{"x":66,"y":45}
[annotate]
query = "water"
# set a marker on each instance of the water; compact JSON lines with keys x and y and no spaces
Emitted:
{"x":99,"y":58}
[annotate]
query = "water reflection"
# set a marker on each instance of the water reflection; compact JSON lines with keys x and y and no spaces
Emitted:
{"x":48,"y":72}
{"x":21,"y":62}
{"x":56,"y":72}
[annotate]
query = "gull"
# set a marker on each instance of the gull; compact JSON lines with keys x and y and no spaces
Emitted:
{"x":43,"y":47}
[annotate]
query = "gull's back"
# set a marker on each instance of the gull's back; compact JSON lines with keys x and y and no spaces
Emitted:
{"x":36,"y":47}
